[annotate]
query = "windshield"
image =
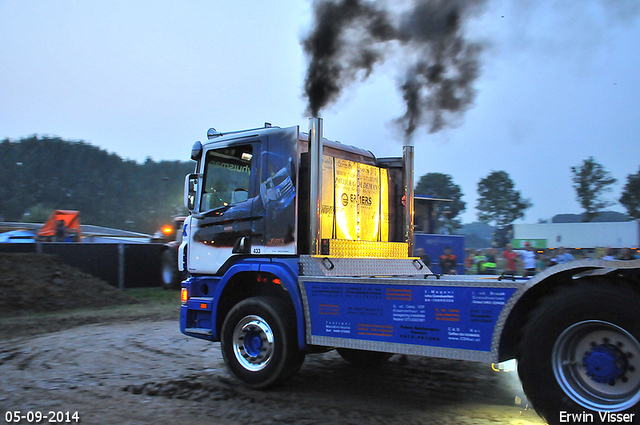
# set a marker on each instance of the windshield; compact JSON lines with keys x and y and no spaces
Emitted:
{"x":227,"y":176}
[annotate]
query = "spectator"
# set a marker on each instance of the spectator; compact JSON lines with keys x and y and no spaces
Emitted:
{"x":563,"y":257}
{"x":626,"y":255}
{"x":479,"y":261}
{"x":448,"y":262}
{"x":424,"y":257}
{"x":491,"y":263}
{"x":608,"y":254}
{"x":528,"y":259}
{"x":61,"y":232}
{"x":469,"y":261}
{"x":512,"y":260}
{"x":541,"y":262}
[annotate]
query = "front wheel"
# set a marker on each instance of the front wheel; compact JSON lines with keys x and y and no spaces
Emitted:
{"x":580,"y":353}
{"x":259,"y":343}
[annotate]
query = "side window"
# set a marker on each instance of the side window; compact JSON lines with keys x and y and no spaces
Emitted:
{"x":227,"y":176}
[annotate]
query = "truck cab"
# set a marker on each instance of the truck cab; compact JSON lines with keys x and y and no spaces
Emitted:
{"x":245,"y":204}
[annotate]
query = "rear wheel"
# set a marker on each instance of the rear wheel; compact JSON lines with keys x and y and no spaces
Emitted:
{"x":580,"y":352}
{"x":362,"y":358}
{"x":259,"y":342}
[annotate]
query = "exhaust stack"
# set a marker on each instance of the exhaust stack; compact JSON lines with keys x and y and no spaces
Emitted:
{"x":407,"y":180}
{"x":315,"y":177}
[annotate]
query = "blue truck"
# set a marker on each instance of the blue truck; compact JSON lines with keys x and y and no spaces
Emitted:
{"x":296,"y":244}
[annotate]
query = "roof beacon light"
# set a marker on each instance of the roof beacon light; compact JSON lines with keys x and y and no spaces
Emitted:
{"x":212,"y":133}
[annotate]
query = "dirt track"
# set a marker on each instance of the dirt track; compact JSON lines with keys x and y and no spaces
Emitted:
{"x":147,"y":372}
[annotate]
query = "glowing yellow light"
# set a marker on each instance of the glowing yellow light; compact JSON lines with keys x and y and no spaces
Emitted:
{"x":346,"y":188}
{"x":184,"y":295}
{"x":343,"y":248}
{"x":384,"y":205}
{"x":167,"y":230}
{"x":327,"y":205}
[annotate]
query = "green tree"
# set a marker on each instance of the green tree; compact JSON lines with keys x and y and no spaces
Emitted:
{"x":631,"y":196}
{"x":44,"y":173}
{"x":591,"y":181}
{"x":499,"y":203}
{"x":37,"y":214}
{"x":441,"y":186}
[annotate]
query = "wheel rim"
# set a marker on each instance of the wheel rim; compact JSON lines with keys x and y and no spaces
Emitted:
{"x":597,"y":364}
{"x":253,"y":343}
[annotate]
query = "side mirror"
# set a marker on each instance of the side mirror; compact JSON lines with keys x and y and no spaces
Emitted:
{"x":196,"y":151}
{"x":191,"y":184}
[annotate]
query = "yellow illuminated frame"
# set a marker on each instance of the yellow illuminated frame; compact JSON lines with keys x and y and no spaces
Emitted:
{"x":365,"y":249}
{"x":354,"y":213}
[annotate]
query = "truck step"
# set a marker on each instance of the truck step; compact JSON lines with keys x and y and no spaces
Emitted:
{"x":199,"y":331}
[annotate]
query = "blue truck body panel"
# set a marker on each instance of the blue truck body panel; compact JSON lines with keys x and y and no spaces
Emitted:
{"x":285,"y":269}
{"x":438,"y":316}
{"x":434,"y":315}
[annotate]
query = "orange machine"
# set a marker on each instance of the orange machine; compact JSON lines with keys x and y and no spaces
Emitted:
{"x":71,"y":220}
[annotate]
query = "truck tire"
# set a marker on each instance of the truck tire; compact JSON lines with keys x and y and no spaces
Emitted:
{"x":363,"y":358}
{"x":580,"y":354}
{"x":259,"y":343}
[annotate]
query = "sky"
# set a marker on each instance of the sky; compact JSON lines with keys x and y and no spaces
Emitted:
{"x":559,"y":82}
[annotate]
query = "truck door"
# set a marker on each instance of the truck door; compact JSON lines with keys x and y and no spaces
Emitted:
{"x":278,"y":195}
{"x":229,"y":202}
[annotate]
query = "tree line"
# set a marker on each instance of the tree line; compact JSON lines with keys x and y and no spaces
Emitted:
{"x":42,"y":174}
{"x":500,"y":204}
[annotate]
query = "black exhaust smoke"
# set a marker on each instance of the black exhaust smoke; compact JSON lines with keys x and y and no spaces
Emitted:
{"x":343,"y":42}
{"x":349,"y":37}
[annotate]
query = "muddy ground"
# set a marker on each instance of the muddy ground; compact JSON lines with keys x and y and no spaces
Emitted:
{"x":149,"y":373}
{"x":42,"y":283}
{"x":131,"y":365}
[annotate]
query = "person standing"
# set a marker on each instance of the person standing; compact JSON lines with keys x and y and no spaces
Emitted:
{"x":541,"y":262}
{"x":61,"y":232}
{"x":469,"y":263}
{"x":448,"y":262}
{"x":512,"y":260}
{"x":528,"y":260}
{"x":563,"y":257}
{"x":479,"y":261}
{"x":491,"y":263}
{"x":424,"y":257}
{"x":626,"y":255}
{"x":608,"y":254}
